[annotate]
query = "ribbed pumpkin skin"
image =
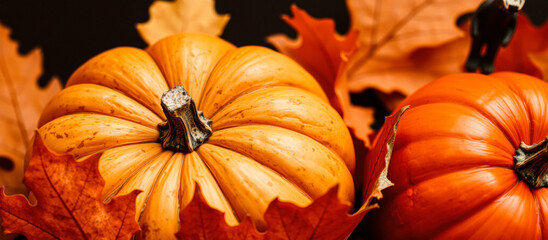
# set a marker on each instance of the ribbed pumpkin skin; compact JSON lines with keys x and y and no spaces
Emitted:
{"x":274,"y":133}
{"x":452,"y":164}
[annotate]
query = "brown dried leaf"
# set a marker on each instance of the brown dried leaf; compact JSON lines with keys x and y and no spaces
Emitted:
{"x":391,"y":31}
{"x":378,"y":158}
{"x":168,"y":18}
{"x":408,"y":73}
{"x":69,"y":203}
{"x":21,"y":101}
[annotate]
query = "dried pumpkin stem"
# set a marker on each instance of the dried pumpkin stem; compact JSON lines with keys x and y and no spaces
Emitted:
{"x":531,"y":163}
{"x":186,"y":128}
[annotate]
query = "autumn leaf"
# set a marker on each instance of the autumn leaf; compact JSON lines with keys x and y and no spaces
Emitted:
{"x":378,"y":158}
{"x":324,"y":53}
{"x":390,"y":31}
{"x":168,"y":18}
{"x":326,"y":218}
{"x":21,"y":101}
{"x":527,"y":51}
{"x":69,"y":204}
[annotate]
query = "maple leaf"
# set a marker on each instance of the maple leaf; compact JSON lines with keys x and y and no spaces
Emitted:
{"x":168,"y":18}
{"x":326,"y":218}
{"x":21,"y":101}
{"x":392,"y":30}
{"x":324,"y":53}
{"x":69,"y":203}
{"x":526,"y":52}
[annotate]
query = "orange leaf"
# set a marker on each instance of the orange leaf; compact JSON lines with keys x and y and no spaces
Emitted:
{"x":21,"y":101}
{"x":392,"y":30}
{"x":69,"y":204}
{"x":408,"y":73}
{"x":318,"y":48}
{"x":326,"y":218}
{"x":168,"y":18}
{"x":378,"y":158}
{"x":524,"y":53}
{"x":323,"y":53}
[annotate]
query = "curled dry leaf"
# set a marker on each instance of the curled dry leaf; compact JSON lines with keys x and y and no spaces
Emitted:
{"x":21,"y":101}
{"x":378,"y":159}
{"x":391,"y":32}
{"x":168,"y":18}
{"x":324,"y":53}
{"x":69,"y":203}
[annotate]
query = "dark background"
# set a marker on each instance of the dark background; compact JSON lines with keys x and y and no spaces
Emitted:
{"x":71,"y":31}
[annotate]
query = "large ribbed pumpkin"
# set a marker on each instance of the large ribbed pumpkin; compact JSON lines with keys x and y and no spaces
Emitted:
{"x":247,"y":125}
{"x":470,"y":161}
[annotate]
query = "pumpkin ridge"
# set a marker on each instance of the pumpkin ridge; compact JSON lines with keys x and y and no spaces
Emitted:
{"x":489,"y":117}
{"x":208,"y":78}
{"x":442,"y":227}
{"x":117,"y":189}
{"x":158,"y":175}
{"x":274,"y":171}
{"x":288,"y":175}
{"x":471,"y":213}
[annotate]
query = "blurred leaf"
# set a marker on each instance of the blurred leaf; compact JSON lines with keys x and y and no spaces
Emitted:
{"x":21,"y":101}
{"x":168,"y":18}
{"x":69,"y":203}
{"x":391,"y":32}
{"x":526,"y":53}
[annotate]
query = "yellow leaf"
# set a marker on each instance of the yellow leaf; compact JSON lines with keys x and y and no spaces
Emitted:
{"x":168,"y":18}
{"x":21,"y":101}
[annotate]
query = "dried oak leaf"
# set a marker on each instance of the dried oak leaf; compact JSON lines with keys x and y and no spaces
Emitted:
{"x":527,"y":52}
{"x":324,"y":53}
{"x":69,"y":205}
{"x":167,"y":18}
{"x":21,"y":101}
{"x":392,"y":30}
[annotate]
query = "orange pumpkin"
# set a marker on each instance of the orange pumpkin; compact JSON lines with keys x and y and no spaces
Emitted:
{"x":251,"y":126}
{"x":464,"y":164}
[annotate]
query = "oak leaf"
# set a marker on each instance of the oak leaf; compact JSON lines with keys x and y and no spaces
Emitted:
{"x":392,"y":30}
{"x":324,"y":53}
{"x":68,"y":201}
{"x":21,"y":101}
{"x":168,"y":18}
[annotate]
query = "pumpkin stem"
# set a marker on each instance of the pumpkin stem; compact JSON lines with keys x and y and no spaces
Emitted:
{"x":186,"y":128}
{"x":532,"y":163}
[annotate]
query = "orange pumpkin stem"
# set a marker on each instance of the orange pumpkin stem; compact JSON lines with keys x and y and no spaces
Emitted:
{"x":186,"y":128}
{"x":532,"y":163}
